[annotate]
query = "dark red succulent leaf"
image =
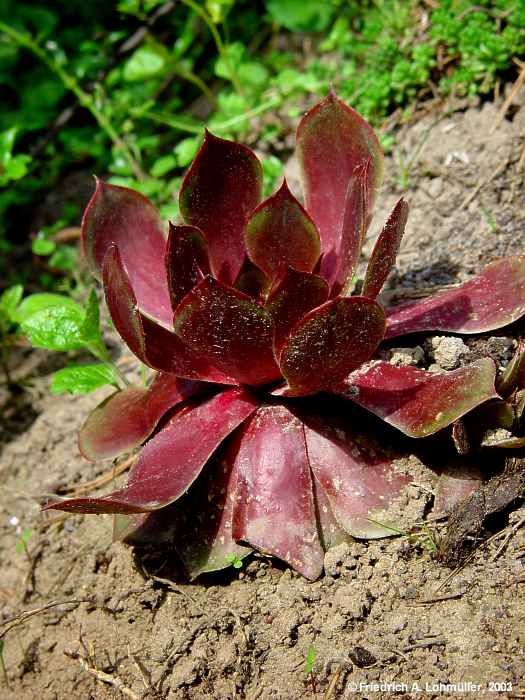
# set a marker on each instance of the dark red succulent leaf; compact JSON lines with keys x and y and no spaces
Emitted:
{"x":171,"y":461}
{"x":153,"y":344}
{"x":330,"y":341}
{"x":338,"y":264}
{"x":332,"y":139}
{"x":416,"y":402}
{"x":291,"y":298}
{"x":273,"y":508}
{"x":230,"y":330}
{"x":126,"y":418}
{"x":493,"y":299}
{"x":120,"y":216}
{"x":198,"y":524}
{"x":252,"y":281}
{"x":281,"y":234}
{"x":330,"y":531}
{"x":385,"y":250}
{"x":221,"y":189}
{"x":454,"y":484}
{"x":186,"y":261}
{"x":360,"y":482}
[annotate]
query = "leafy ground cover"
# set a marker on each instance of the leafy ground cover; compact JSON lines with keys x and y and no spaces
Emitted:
{"x":126,"y":90}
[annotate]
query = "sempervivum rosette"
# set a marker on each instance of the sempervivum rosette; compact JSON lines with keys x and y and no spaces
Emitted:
{"x":246,"y":311}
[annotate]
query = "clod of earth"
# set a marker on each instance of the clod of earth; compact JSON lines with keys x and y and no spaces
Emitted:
{"x":246,"y":312}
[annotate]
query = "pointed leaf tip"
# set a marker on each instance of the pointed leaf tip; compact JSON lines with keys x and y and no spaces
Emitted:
{"x":120,"y":216}
{"x":281,"y":234}
{"x":220,"y":190}
{"x":332,"y":139}
{"x":385,"y":250}
{"x":173,"y":458}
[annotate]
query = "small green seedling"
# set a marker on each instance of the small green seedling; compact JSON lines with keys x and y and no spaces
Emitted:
{"x":21,"y":545}
{"x":233,"y":560}
{"x":310,"y":659}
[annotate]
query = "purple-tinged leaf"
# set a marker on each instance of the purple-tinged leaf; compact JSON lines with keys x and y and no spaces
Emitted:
{"x":274,"y":509}
{"x":330,"y":341}
{"x":330,"y":531}
{"x":361,"y":484}
{"x":198,"y":525}
{"x":220,"y":190}
{"x":153,"y":344}
{"x":281,"y":234}
{"x":339,"y":263}
{"x":332,"y":139}
{"x":493,"y":299}
{"x":291,"y":298}
{"x":385,"y":250}
{"x":120,"y":216}
{"x":186,"y":261}
{"x":252,"y":281}
{"x":171,"y":461}
{"x":126,"y":418}
{"x":417,"y":402}
{"x":455,"y":483}
{"x":230,"y":330}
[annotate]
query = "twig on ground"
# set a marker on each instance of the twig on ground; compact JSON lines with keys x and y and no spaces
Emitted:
{"x":101,"y":480}
{"x":468,"y":199}
{"x":19,"y":619}
{"x":510,"y":534}
{"x":518,"y":84}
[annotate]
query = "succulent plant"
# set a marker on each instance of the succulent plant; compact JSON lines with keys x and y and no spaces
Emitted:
{"x":246,"y":313}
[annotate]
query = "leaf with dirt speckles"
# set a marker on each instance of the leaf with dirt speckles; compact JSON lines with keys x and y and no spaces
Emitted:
{"x":493,"y":299}
{"x":360,"y":483}
{"x":274,"y":509}
{"x":230,"y":330}
{"x":330,"y":341}
{"x":417,"y":402}
{"x":385,"y":250}
{"x":171,"y":461}
{"x":291,"y":299}
{"x":152,"y":343}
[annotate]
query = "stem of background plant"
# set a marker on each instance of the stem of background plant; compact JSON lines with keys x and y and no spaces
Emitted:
{"x":100,"y":351}
{"x":169,"y":120}
{"x":83,"y":97}
{"x":218,"y":42}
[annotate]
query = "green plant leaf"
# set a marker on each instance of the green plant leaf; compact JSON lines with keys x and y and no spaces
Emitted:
{"x":10,"y":299}
{"x":310,"y":659}
{"x":301,"y":15}
{"x":55,"y":328}
{"x":90,"y":330}
{"x":40,"y":302}
{"x":42,"y":245}
{"x":146,"y":62}
{"x":81,"y":379}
